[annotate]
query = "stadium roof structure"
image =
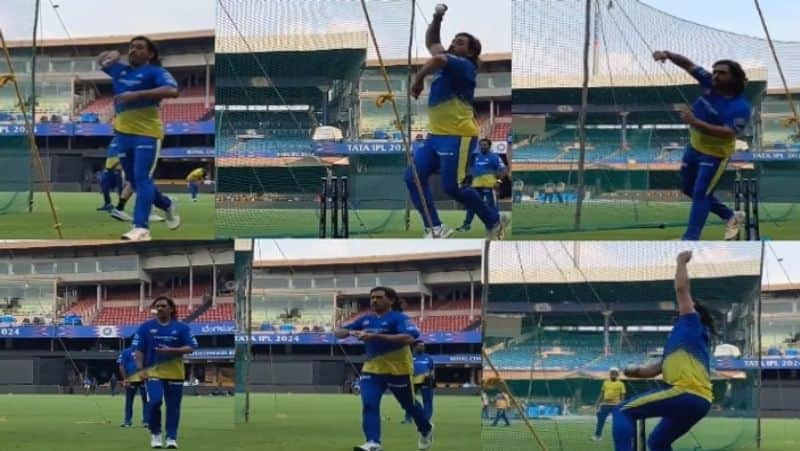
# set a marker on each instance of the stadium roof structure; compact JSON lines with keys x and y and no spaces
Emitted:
{"x":370,"y":260}
{"x":548,"y":47}
{"x":113,"y":39}
{"x":580,"y":280}
{"x":658,"y":103}
{"x":294,"y":68}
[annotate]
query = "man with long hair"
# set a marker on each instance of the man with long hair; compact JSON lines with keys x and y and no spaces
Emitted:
{"x":453,"y":131}
{"x":160,"y":345}
{"x":387,"y":334}
{"x":139,"y":87}
{"x":686,"y":369}
{"x":715,"y":119}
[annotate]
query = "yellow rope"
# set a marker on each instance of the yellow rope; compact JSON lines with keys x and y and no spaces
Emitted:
{"x":389,"y":96}
{"x":31,"y":135}
{"x":500,"y":381}
{"x":794,"y":119}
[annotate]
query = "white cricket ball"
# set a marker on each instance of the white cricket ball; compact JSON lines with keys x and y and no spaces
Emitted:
{"x":441,"y":8}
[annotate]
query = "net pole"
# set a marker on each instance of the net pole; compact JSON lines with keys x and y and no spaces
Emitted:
{"x":758,"y":349}
{"x":582,"y":115}
{"x":249,"y":327}
{"x":390,"y":97}
{"x":412,"y":29}
{"x":34,"y":45}
{"x":34,"y":149}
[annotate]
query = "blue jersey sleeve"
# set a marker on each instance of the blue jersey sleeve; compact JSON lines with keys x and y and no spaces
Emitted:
{"x":738,"y":117}
{"x":702,"y":76}
{"x":403,"y":325}
{"x":139,"y":342}
{"x":458,"y":68}
{"x":498,"y":163}
{"x":161,"y":78}
{"x":355,"y":325}
{"x":430,"y":364}
{"x":119,"y":359}
{"x":114,"y":70}
{"x":188,"y":338}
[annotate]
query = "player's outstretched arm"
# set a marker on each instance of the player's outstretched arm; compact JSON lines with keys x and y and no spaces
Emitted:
{"x":682,"y":286}
{"x":398,"y":339}
{"x":433,"y":39}
{"x":676,"y":59}
{"x":644,"y":372}
{"x":180,"y":350}
{"x":432,"y":66}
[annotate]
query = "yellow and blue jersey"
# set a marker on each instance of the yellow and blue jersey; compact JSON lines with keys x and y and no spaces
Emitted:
{"x":423,"y":368}
{"x":141,"y":117}
{"x":715,"y":109}
{"x":450,"y":103}
{"x":613,"y":392}
{"x":128,"y":362}
{"x":686,"y":365}
{"x":153,"y":334}
{"x":384,"y":358}
{"x":196,"y":175}
{"x":485,"y":169}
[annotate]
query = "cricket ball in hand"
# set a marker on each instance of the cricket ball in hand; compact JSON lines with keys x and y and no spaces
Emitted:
{"x":441,"y":8}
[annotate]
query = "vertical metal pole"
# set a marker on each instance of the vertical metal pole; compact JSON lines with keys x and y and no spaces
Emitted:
{"x":756,"y":225}
{"x":746,"y":192}
{"x":335,"y":207}
{"x":345,"y":206}
{"x":582,"y":116}
{"x":32,"y":97}
{"x":323,"y":208}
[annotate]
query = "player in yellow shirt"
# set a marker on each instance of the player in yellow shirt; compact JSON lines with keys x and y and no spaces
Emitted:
{"x":611,"y":395}
{"x":500,"y":407}
{"x":194,"y":179}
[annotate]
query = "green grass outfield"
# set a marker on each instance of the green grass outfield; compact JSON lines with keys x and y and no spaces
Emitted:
{"x":91,"y":423}
{"x":573,"y":434}
{"x":304,"y":223}
{"x":333,"y":422}
{"x":80,"y":220}
{"x":644,"y":221}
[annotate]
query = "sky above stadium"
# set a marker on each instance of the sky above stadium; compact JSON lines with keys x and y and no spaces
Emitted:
{"x":491,"y":25}
{"x":281,"y":250}
{"x":739,"y":16}
{"x":781,"y":262}
{"x":84,"y":18}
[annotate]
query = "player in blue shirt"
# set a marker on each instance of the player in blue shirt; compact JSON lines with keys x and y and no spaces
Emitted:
{"x":160,"y":345}
{"x":139,"y":87}
{"x":453,"y":131}
{"x":132,"y":382}
{"x":387,"y":334}
{"x":715,"y":119}
{"x":486,"y":172}
{"x":686,"y":368}
{"x":424,"y":380}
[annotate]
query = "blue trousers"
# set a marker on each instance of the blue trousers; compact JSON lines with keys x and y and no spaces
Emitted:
{"x":110,"y":180}
{"x":138,"y":155}
{"x":678,"y":412}
{"x":602,"y":414}
{"x":448,"y":156}
{"x":500,"y":413}
{"x":427,"y":402}
{"x":488,"y":197}
{"x":372,"y":388}
{"x":193,"y":189}
{"x":130,"y":394}
{"x":164,"y":392}
{"x":700,"y":174}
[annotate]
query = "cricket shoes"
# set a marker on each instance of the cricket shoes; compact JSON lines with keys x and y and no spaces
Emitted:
{"x":137,"y":234}
{"x":369,"y":446}
{"x":125,"y":425}
{"x":440,"y":231}
{"x":171,"y":217}
{"x":156,"y":441}
{"x":172,"y":443}
{"x":734,"y":225}
{"x":120,"y":215}
{"x":498,"y":232}
{"x":464,"y":228}
{"x":595,"y":438}
{"x":425,"y":440}
{"x":106,"y":208}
